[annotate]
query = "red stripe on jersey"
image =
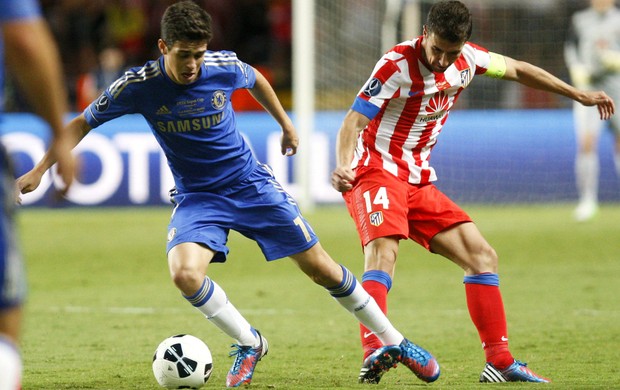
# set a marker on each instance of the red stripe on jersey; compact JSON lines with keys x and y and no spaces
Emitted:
{"x":417,"y":86}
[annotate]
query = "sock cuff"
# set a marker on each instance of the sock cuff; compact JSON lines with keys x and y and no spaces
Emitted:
{"x":379,"y":277}
{"x":346,"y":287}
{"x":203,"y":294}
{"x":487,"y":278}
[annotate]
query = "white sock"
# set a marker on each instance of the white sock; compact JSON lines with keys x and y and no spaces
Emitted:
{"x":212,"y":301}
{"x":10,"y":365}
{"x":586,"y":173}
{"x":352,"y":296}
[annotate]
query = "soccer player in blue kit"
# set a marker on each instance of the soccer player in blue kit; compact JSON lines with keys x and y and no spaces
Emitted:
{"x":28,"y":50}
{"x":219,"y":185}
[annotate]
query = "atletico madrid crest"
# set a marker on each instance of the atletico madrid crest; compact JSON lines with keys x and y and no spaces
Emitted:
{"x":376,"y":218}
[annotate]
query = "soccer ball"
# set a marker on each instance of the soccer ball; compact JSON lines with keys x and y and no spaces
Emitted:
{"x":182,"y":362}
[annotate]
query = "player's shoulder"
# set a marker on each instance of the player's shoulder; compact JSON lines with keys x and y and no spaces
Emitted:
{"x":136,"y":77}
{"x":221,"y":58}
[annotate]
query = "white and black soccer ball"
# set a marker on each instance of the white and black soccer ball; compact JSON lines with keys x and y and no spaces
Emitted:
{"x":182,"y":362}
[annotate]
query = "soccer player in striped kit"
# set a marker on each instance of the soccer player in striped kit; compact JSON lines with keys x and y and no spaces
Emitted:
{"x":592,"y":54}
{"x":384,"y":172}
{"x":185,"y":98}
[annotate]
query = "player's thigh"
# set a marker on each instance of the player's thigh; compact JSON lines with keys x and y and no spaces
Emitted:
{"x":464,"y":245}
{"x":189,"y":257}
{"x":431,"y":212}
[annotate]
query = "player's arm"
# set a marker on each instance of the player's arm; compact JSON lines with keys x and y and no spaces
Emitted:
{"x":266,"y":96}
{"x":32,"y":57}
{"x":352,"y":125}
{"x":76,"y":130}
{"x":538,"y":78}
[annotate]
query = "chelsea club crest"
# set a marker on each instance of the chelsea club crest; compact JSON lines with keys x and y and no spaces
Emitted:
{"x":218,"y":100}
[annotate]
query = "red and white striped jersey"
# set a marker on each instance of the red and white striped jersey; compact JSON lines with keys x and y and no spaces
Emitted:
{"x":408,"y":105}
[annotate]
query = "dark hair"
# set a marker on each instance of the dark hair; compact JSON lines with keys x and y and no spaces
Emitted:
{"x":185,"y":21}
{"x":450,"y":20}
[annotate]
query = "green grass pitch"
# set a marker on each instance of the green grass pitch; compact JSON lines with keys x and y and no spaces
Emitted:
{"x":100,"y":301}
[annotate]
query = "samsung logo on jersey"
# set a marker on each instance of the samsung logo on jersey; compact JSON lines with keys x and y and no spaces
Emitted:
{"x":185,"y":125}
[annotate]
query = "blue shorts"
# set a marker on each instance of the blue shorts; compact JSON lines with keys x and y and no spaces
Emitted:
{"x":12,"y":275}
{"x":257,"y":207}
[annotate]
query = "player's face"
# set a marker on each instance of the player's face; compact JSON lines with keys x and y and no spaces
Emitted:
{"x":440,"y":53}
{"x":182,"y":60}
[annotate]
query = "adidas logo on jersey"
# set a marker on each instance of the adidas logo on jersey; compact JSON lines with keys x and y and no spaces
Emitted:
{"x":163,"y":110}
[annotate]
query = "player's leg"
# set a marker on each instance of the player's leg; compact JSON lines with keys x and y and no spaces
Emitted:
{"x":188,"y":263}
{"x":378,"y":206}
{"x":379,"y":263}
{"x":10,"y":358}
{"x":587,"y":132}
{"x":345,"y":288}
{"x":12,"y":284}
{"x":465,"y":246}
{"x":348,"y":292}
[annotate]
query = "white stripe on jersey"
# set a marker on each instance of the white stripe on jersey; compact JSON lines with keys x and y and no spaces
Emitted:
{"x":146,"y":72}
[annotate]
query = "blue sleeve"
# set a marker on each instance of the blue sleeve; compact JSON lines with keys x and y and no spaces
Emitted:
{"x":106,"y":108}
{"x":19,"y":9}
{"x":365,"y":108}
{"x":246,"y":77}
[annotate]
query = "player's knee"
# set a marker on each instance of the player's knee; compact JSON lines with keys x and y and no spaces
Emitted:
{"x":186,"y":279}
{"x":486,"y":260}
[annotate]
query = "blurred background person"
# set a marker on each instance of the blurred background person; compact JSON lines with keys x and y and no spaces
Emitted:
{"x":30,"y":54}
{"x":592,"y":54}
{"x":91,"y":84}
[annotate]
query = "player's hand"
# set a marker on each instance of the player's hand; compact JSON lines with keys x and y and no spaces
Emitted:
{"x":605,"y":104}
{"x":27,"y":183}
{"x":342,"y":179}
{"x":289,"y":142}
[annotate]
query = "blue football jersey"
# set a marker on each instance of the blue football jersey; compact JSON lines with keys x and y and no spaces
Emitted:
{"x":194,"y":124}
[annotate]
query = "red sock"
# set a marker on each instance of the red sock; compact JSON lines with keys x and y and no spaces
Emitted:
{"x":486,"y":309}
{"x":378,"y":291}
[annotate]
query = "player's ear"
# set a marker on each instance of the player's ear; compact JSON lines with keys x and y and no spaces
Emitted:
{"x":162,"y":46}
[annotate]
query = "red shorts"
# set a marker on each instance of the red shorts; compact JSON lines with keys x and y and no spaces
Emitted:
{"x":383,"y":205}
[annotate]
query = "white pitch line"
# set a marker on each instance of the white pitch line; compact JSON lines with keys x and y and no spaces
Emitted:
{"x":151,"y":310}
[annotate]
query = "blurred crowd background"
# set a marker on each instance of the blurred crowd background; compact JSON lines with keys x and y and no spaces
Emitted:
{"x":98,"y":39}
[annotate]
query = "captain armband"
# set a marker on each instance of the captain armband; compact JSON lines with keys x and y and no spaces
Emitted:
{"x":497,"y":66}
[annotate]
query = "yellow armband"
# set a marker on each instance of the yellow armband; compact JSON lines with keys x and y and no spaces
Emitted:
{"x":497,"y":66}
